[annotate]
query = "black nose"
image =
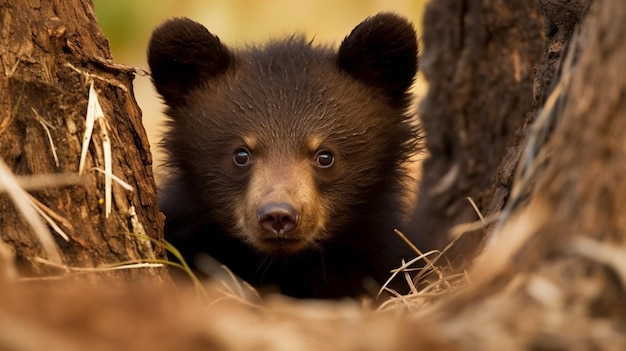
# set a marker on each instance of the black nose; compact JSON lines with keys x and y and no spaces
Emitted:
{"x":278,"y":217}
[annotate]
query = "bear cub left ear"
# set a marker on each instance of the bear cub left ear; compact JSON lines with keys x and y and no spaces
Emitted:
{"x":182,"y":54}
{"x":382,"y":52}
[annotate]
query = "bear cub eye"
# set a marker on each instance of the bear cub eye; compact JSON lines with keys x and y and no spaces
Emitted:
{"x":324,"y":158}
{"x":241,"y":157}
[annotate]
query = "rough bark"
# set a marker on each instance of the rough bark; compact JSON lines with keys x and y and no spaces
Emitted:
{"x":560,"y":21}
{"x":479,"y":59}
{"x":554,"y":270}
{"x":50,"y":52}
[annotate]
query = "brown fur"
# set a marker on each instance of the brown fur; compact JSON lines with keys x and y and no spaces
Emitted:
{"x":246,"y":131}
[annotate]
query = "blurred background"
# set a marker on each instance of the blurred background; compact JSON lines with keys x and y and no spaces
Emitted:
{"x":129,"y":23}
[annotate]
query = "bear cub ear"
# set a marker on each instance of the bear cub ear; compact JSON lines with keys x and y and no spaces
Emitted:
{"x":381,"y":52}
{"x":183,"y":54}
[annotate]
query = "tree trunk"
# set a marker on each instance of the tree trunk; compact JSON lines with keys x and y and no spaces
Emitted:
{"x":553,"y":273}
{"x":479,"y":59}
{"x":51,"y":51}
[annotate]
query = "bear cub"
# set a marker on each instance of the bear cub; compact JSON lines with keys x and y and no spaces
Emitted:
{"x":286,"y":159}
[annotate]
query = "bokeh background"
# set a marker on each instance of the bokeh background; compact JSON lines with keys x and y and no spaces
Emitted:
{"x":129,"y":23}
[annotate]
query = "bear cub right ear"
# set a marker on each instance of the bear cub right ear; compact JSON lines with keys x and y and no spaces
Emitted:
{"x":183,"y":54}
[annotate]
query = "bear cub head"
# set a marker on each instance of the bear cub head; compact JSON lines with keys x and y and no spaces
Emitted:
{"x":289,"y":146}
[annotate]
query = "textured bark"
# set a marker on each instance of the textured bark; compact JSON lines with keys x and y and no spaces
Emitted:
{"x":50,"y":52}
{"x":479,"y":59}
{"x":560,"y":20}
{"x":569,"y":237}
{"x":589,"y":159}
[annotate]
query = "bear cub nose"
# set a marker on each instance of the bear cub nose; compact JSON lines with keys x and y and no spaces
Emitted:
{"x":278,"y":217}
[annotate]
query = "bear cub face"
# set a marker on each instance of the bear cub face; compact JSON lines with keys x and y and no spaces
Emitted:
{"x":286,"y":148}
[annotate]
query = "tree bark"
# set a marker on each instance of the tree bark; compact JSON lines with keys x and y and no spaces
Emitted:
{"x":479,"y":59}
{"x":554,"y":266}
{"x":560,"y":19}
{"x":51,"y":51}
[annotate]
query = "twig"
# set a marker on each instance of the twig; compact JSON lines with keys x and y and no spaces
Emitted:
{"x":43,"y":211}
{"x":46,"y":126}
{"x":28,"y":211}
{"x":44,"y":181}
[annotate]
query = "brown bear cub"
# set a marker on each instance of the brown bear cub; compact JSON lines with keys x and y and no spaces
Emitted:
{"x":287,"y":159}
